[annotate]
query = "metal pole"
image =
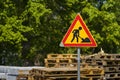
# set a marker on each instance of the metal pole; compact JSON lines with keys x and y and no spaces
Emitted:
{"x":78,"y":67}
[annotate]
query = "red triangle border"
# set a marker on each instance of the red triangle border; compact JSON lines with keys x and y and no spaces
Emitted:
{"x":91,"y":44}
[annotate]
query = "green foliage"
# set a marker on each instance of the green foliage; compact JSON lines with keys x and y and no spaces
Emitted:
{"x":103,"y":26}
{"x":11,"y":33}
{"x":32,"y":27}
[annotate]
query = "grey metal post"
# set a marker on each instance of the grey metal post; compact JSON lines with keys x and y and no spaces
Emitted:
{"x":78,"y":67}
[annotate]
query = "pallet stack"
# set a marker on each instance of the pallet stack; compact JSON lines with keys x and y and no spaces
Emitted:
{"x":53,"y":73}
{"x":109,"y":62}
{"x":61,"y":60}
{"x":66,"y":74}
{"x":70,"y":61}
{"x":23,"y":73}
{"x":99,"y":66}
{"x":92,"y":73}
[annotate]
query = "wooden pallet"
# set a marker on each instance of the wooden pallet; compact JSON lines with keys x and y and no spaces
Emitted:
{"x":60,"y":62}
{"x":109,"y":62}
{"x":66,"y":73}
{"x":104,"y":56}
{"x":112,"y":75}
{"x":62,"y":56}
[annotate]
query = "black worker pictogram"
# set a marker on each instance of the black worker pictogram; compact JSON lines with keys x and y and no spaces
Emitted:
{"x":76,"y":35}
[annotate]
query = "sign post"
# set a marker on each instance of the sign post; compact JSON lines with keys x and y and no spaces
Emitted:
{"x":78,"y":62}
{"x":78,"y":35}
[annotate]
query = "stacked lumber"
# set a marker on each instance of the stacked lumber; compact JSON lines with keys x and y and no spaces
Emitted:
{"x":112,"y":68}
{"x":23,"y":73}
{"x":66,"y":73}
{"x":91,"y":73}
{"x":109,"y":62}
{"x":64,"y":67}
{"x":61,"y":60}
{"x":99,"y":66}
{"x":53,"y":73}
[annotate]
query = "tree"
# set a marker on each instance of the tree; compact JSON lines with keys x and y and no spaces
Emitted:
{"x":106,"y":29}
{"x":35,"y":27}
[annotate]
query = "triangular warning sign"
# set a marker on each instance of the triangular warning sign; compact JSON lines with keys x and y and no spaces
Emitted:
{"x":78,"y":35}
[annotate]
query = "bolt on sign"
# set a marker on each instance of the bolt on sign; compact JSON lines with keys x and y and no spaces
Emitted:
{"x":78,"y":35}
